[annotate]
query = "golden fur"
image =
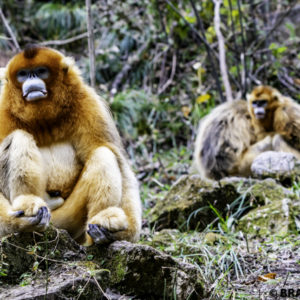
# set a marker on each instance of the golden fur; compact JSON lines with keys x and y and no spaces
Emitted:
{"x":72,"y":125}
{"x":230,"y":137}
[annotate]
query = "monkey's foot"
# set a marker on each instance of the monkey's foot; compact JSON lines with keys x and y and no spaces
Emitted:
{"x":32,"y":212}
{"x":29,"y":204}
{"x":106,"y":226}
{"x":100,"y":235}
{"x":39,"y":222}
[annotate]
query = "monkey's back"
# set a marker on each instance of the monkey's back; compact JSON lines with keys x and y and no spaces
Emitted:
{"x":222,"y":138}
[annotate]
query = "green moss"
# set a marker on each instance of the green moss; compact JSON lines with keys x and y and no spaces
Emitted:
{"x":277,"y":217}
{"x":117,"y":267}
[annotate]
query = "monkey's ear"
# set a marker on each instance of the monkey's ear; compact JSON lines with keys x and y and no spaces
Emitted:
{"x":276,"y":96}
{"x":67,"y":62}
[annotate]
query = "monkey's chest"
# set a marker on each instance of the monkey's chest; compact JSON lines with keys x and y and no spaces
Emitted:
{"x":62,"y":167}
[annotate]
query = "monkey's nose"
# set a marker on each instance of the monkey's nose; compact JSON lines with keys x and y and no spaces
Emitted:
{"x":34,"y":89}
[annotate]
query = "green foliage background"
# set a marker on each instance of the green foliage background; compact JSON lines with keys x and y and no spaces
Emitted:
{"x":155,"y":74}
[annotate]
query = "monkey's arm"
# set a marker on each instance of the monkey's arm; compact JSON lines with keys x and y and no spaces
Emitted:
{"x":22,"y":179}
{"x":279,"y":144}
{"x":113,"y":209}
{"x":244,"y":166}
{"x":287,"y":123}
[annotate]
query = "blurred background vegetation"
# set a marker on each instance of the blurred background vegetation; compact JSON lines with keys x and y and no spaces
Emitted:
{"x":157,"y":64}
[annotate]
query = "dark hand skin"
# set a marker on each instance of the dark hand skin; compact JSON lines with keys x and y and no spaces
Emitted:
{"x":39,"y":221}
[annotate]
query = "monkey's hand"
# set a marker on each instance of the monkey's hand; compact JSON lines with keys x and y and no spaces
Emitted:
{"x":106,"y":226}
{"x":264,"y":145}
{"x":32,"y":212}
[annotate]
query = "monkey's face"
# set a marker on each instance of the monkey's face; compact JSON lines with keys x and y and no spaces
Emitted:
{"x":32,"y":81}
{"x":262,"y":102}
{"x":41,"y":84}
{"x":259,"y":108}
{"x":35,"y":72}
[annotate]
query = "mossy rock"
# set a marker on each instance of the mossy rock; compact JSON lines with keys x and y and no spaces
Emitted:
{"x":51,"y":265}
{"x":279,"y":217}
{"x":148,"y":273}
{"x":188,"y":203}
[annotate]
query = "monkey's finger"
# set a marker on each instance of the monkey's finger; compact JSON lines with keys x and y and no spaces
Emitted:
{"x":45,"y":219}
{"x":17,"y":214}
{"x":100,"y":235}
{"x":35,"y":220}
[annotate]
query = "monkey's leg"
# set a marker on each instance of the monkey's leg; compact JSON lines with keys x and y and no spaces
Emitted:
{"x":279,"y":144}
{"x":22,"y":179}
{"x":244,"y":167}
{"x":99,"y":193}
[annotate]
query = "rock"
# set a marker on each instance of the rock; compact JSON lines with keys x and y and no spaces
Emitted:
{"x":282,"y":166}
{"x":52,"y":265}
{"x":279,"y":217}
{"x":148,"y":273}
{"x":189,"y":203}
{"x":21,"y":250}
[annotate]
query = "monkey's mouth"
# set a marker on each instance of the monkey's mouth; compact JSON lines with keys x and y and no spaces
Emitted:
{"x":260,"y":116}
{"x":35,"y":95}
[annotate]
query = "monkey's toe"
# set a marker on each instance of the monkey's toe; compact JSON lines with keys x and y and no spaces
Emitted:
{"x":38,"y":222}
{"x":100,"y":235}
{"x":45,"y":216}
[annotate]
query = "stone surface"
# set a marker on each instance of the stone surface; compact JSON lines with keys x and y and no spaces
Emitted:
{"x":51,"y":265}
{"x":279,"y":217}
{"x":188,"y":205}
{"x":279,"y":165}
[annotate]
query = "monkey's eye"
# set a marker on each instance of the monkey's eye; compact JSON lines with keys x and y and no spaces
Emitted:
{"x":22,"y":75}
{"x":262,"y":103}
{"x":42,"y":72}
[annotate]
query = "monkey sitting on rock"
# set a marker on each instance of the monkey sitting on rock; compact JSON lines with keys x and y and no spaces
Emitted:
{"x":59,"y":143}
{"x":235,"y":133}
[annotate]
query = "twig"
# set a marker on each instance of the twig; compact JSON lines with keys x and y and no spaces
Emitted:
{"x":9,"y":30}
{"x":236,"y":50}
{"x":67,"y":41}
{"x":200,"y":40}
{"x":244,"y":84}
{"x":222,"y":55}
{"x":91,"y":43}
{"x":278,"y":23}
{"x":170,"y":80}
{"x":100,"y":288}
{"x":162,"y":76}
{"x":127,"y":67}
{"x":287,"y":81}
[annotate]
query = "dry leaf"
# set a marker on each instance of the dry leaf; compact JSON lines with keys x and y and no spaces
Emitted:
{"x":266,"y":277}
{"x":297,"y":81}
{"x":186,"y":111}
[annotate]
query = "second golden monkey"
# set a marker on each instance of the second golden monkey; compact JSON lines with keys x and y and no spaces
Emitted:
{"x":235,"y":133}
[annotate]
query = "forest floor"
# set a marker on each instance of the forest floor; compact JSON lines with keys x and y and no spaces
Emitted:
{"x":233,"y":265}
